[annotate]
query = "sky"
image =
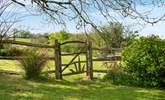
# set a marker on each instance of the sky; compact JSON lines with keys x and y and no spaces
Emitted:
{"x":38,"y":24}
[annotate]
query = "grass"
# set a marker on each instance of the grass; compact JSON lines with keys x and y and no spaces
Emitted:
{"x":14,"y":65}
{"x":76,"y":87}
{"x":72,"y":88}
{"x":23,"y":39}
{"x":9,"y":65}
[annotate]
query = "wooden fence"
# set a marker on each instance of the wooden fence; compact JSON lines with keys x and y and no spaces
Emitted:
{"x":59,"y":69}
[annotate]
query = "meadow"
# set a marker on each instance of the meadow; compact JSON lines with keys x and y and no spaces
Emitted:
{"x":75,"y":87}
{"x":117,"y":48}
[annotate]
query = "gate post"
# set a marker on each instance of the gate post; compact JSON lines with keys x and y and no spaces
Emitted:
{"x":57,"y":54}
{"x":89,"y":61}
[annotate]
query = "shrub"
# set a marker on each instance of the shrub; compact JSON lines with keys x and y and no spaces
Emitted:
{"x":33,"y":62}
{"x":117,"y":75}
{"x":10,"y":51}
{"x":144,"y":60}
{"x":143,"y":64}
{"x":119,"y":78}
{"x":14,"y":51}
{"x":3,"y":52}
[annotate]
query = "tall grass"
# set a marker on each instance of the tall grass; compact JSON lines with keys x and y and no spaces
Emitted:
{"x":33,"y":62}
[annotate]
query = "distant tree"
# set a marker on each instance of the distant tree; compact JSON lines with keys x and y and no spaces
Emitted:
{"x":111,"y":35}
{"x":40,"y":38}
{"x":23,"y":34}
{"x":77,"y":37}
{"x":61,"y":36}
{"x":128,"y":36}
{"x":46,"y":35}
{"x":97,"y":41}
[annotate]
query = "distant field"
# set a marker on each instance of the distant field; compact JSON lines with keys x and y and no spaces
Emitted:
{"x":14,"y":65}
{"x":23,"y":39}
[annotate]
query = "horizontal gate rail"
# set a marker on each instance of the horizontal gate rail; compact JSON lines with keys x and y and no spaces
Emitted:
{"x":67,"y":42}
{"x":70,"y":54}
{"x":17,"y":58}
{"x":10,"y":72}
{"x":113,"y":58}
{"x":26,"y":44}
{"x":67,"y":74}
{"x":10,"y":58}
{"x":105,"y":49}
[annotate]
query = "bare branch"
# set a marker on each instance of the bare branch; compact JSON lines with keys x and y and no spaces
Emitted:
{"x":18,"y":3}
{"x":80,"y":10}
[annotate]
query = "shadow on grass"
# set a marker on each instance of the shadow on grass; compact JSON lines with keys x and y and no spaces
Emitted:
{"x":16,"y":88}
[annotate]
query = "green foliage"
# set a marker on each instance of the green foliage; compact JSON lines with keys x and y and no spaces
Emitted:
{"x":76,"y":47}
{"x":119,"y":78}
{"x":33,"y":62}
{"x":61,"y":36}
{"x":23,"y":34}
{"x":10,"y":51}
{"x":117,"y":75}
{"x":97,"y":41}
{"x":144,"y":59}
{"x":143,"y":63}
{"x":112,"y":35}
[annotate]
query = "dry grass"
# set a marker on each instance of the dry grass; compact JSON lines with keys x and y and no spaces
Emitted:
{"x":33,"y":62}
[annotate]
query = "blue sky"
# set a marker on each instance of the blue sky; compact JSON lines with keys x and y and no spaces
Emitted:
{"x":38,"y":24}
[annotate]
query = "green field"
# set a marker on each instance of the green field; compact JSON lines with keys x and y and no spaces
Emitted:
{"x":13,"y":65}
{"x":23,"y":39}
{"x":76,"y":87}
{"x":72,"y":88}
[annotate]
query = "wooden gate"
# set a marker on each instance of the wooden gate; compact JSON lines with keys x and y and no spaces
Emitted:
{"x":78,"y":67}
{"x":60,"y":67}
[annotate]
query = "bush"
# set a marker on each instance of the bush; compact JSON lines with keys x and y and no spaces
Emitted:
{"x":118,"y":76}
{"x":33,"y":62}
{"x":14,"y":51}
{"x":143,"y":64}
{"x":3,"y":52}
{"x":144,"y":60}
{"x":10,"y":51}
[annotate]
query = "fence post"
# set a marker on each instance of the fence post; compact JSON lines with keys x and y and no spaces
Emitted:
{"x":14,"y":34}
{"x":57,"y":54}
{"x":89,"y":62}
